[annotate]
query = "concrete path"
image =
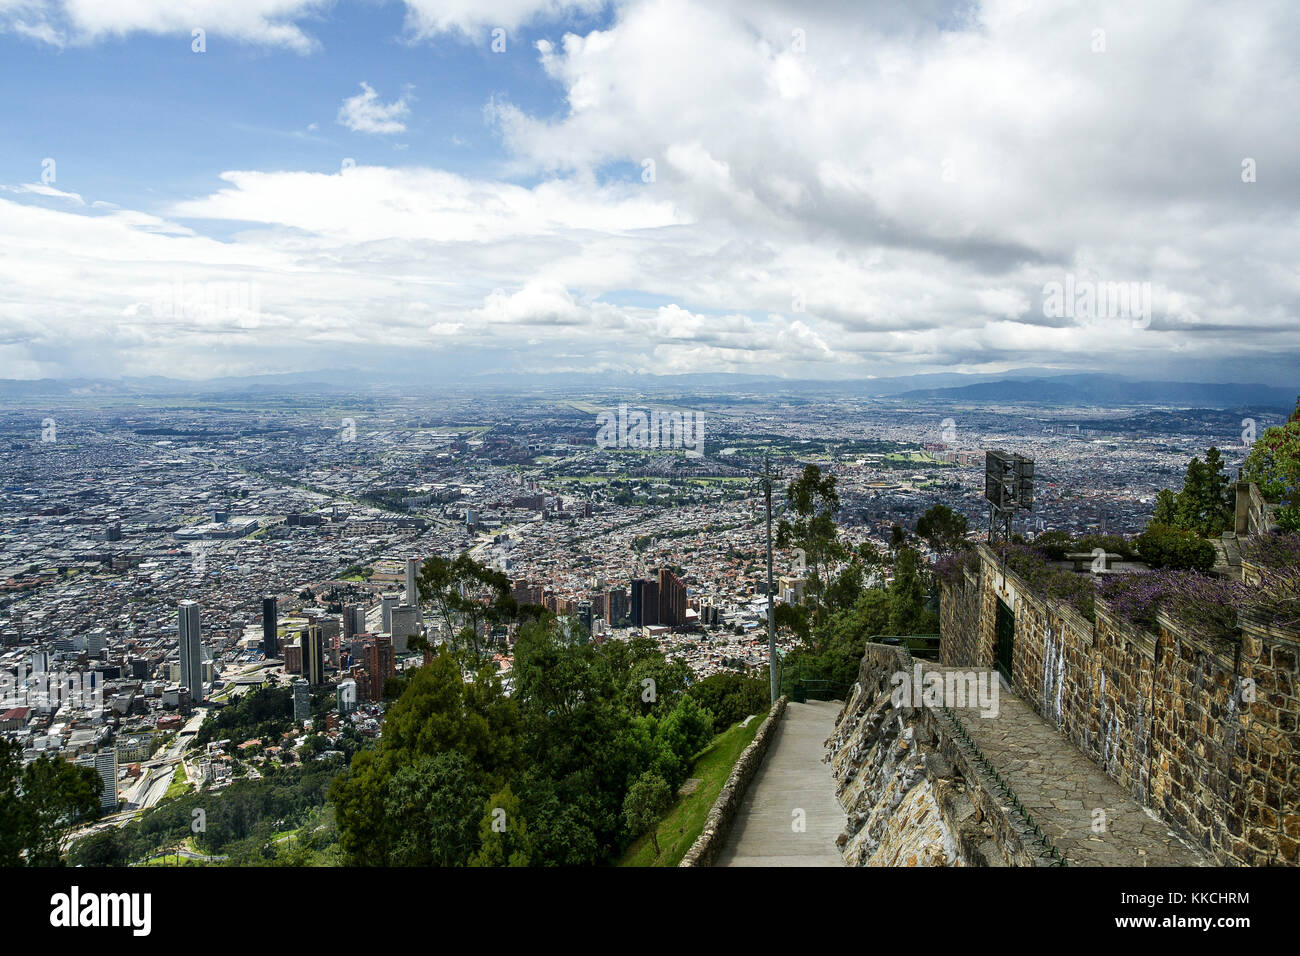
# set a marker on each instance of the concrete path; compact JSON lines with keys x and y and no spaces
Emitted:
{"x":792,"y":778}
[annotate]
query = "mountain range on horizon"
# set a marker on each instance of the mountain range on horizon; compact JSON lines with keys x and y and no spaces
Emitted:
{"x":1030,"y":386}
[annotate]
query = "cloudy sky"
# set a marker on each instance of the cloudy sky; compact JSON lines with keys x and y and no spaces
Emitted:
{"x":838,"y":189}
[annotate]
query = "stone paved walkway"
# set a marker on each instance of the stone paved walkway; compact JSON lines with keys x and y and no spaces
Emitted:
{"x":1061,"y":787}
{"x":792,"y":777}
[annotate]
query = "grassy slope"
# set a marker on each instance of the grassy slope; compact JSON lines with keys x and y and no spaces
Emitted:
{"x":180,"y":784}
{"x":684,"y":822}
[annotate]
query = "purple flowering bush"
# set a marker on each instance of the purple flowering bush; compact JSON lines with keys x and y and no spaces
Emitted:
{"x":1277,"y":596}
{"x":1035,"y":568}
{"x":950,"y":567}
{"x":1272,"y":550}
{"x":1202,"y":604}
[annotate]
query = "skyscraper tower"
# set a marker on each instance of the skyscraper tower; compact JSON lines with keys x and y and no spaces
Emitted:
{"x":313,"y":654}
{"x":387,"y":604}
{"x":412,"y":587}
{"x":191,"y":649}
{"x":270,"y":627}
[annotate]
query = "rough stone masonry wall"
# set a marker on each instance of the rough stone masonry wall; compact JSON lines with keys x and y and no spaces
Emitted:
{"x":717,"y":826}
{"x":911,"y":796}
{"x":959,"y":617}
{"x":1164,"y":714}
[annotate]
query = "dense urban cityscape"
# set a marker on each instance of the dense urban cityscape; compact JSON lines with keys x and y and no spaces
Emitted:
{"x":176,"y":556}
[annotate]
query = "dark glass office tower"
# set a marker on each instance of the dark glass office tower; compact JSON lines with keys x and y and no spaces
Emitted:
{"x":270,"y":624}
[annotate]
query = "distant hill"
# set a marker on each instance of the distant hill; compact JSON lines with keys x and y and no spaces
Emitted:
{"x":1035,"y":386}
{"x":1107,"y":391}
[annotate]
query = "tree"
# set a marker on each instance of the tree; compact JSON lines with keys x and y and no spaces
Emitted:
{"x":1205,"y":504}
{"x":434,"y":806}
{"x":897,"y":537}
{"x":1274,"y":464}
{"x":687,"y":729}
{"x":37,"y":802}
{"x":907,"y":612}
{"x":731,"y":697}
{"x":1166,"y":508}
{"x":503,"y":834}
{"x":647,"y":801}
{"x":107,"y":847}
{"x":943,"y":529}
{"x":813,"y":502}
{"x":470,"y":597}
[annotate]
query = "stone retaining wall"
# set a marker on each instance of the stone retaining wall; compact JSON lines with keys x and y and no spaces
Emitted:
{"x":912,"y":795}
{"x":717,"y":827}
{"x":1206,"y":734}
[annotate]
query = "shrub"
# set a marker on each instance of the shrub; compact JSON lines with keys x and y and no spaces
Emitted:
{"x":1054,"y":544}
{"x":731,"y":697}
{"x":1031,"y":564}
{"x":1110,"y":543}
{"x":1164,"y":547}
{"x":1274,"y":465}
{"x":1137,"y":597}
{"x":1200,"y":604}
{"x":1277,"y":596}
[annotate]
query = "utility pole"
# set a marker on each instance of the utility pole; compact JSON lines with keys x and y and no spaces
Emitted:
{"x":771,"y":614}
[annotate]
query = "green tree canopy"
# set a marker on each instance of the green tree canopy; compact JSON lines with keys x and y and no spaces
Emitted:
{"x":943,"y":529}
{"x":37,"y":802}
{"x":647,"y":801}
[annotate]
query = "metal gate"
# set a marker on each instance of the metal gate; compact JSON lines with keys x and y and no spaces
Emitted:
{"x":1006,"y":634}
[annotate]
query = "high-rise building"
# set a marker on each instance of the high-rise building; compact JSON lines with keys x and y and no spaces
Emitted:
{"x":301,"y":701}
{"x":525,"y":593}
{"x":386,"y":604}
{"x":350,"y":621}
{"x":638,"y":601}
{"x":645,"y":603}
{"x":615,"y":605}
{"x":270,"y":627}
{"x":412,"y":582}
{"x":672,"y":599}
{"x":313,"y":654}
{"x":105,"y":762}
{"x":347,"y":696}
{"x":191,"y":649}
{"x":405,"y":625}
{"x":378,"y":663}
